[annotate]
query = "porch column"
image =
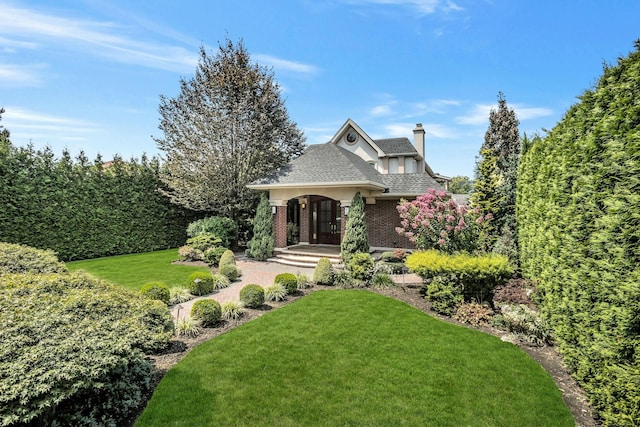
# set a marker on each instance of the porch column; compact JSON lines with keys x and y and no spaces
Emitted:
{"x":305,"y":212}
{"x":280,"y":225}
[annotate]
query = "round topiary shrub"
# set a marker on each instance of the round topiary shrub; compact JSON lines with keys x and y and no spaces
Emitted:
{"x":207,"y":311}
{"x":230,"y":270}
{"x":252,"y":296}
{"x":200,"y":283}
{"x":227,"y":257}
{"x":288,"y":280}
{"x":156,"y":290}
{"x":323,"y":274}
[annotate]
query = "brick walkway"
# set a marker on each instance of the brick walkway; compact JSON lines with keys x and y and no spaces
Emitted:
{"x":263,"y":274}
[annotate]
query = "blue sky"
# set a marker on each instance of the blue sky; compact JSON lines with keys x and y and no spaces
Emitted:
{"x":87,"y":75}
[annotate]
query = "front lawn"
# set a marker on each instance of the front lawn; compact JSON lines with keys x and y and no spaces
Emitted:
{"x":353,"y":357}
{"x":133,"y":271}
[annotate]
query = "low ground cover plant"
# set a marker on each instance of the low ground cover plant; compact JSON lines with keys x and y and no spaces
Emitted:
{"x":231,"y":310}
{"x":187,"y":327}
{"x":178,"y":294}
{"x":417,"y":371}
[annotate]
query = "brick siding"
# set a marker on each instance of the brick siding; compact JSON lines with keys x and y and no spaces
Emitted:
{"x":382,"y":219}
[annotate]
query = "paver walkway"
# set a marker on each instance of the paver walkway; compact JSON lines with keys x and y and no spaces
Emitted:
{"x":260,"y":273}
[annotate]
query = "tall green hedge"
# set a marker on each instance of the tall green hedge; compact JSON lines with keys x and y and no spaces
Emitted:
{"x":579,"y":228}
{"x":82,"y":209}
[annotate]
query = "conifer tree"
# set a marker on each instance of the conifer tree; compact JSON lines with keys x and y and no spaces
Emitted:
{"x":496,"y":176}
{"x":260,"y":247}
{"x":356,"y":236}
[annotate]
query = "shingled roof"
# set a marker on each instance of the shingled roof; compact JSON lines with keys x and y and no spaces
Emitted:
{"x":395,"y":146}
{"x":408,"y":184}
{"x":322,"y":165}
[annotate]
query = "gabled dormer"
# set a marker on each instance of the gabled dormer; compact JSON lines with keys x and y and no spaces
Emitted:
{"x":392,"y":155}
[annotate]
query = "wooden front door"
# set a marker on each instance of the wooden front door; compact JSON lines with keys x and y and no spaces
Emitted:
{"x":325,"y":224}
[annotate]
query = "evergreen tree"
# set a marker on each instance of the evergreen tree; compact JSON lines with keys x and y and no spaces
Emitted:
{"x":4,"y":135}
{"x":260,"y":247}
{"x":496,"y":176}
{"x":356,"y":236}
{"x":227,"y":127}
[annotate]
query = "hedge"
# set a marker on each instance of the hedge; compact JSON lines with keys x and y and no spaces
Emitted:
{"x":578,"y":212}
{"x":82,"y":209}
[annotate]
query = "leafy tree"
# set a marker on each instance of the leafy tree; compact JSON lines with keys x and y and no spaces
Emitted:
{"x":262,"y":244}
{"x":227,"y":127}
{"x":4,"y":135}
{"x":356,"y":236}
{"x":460,"y":185}
{"x":496,"y":174}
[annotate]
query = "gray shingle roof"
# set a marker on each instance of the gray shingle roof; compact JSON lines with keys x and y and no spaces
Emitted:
{"x":409,"y":184}
{"x":324,"y":164}
{"x":393,"y":146}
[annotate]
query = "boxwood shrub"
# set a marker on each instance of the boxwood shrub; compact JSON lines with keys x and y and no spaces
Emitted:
{"x":252,"y":295}
{"x":200,"y":283}
{"x":231,"y":271}
{"x":323,"y":273}
{"x":72,"y":349}
{"x":288,"y":280}
{"x":477,"y":275}
{"x":207,"y":311}
{"x":156,"y":290}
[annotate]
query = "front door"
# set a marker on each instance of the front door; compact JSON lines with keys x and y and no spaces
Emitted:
{"x":326,"y":221}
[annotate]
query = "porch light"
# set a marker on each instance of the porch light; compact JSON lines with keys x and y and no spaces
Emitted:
{"x":303,"y":205}
{"x":273,"y":210}
{"x":346,"y":210}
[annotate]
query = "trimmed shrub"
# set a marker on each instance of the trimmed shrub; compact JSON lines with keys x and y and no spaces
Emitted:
{"x":178,"y":294}
{"x":200,"y":283}
{"x":275,"y":292}
{"x":220,"y":281}
{"x":188,"y":327}
{"x":231,"y":310}
{"x":73,"y":349}
{"x":361,"y":266}
{"x":231,"y":271}
{"x":288,"y":280}
{"x":356,"y":236}
{"x":323,"y":273}
{"x":222,"y":227}
{"x":207,"y":311}
{"x":24,"y":259}
{"x":187,"y":253}
{"x":156,"y":290}
{"x":260,"y":247}
{"x":252,"y":295}
{"x":477,"y":275}
{"x":526,"y":323}
{"x":473,"y":314}
{"x":204,"y":241}
{"x":212,"y":255}
{"x":444,"y":294}
{"x":227,"y":257}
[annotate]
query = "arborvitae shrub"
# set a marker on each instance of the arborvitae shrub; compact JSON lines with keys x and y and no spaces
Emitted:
{"x":288,"y":280}
{"x":252,"y":295}
{"x":260,"y":247}
{"x":356,"y":236}
{"x":445,"y":294}
{"x":200,"y":283}
{"x":207,"y":311}
{"x":231,"y":271}
{"x":323,"y":273}
{"x":227,"y":257}
{"x":156,"y":290}
{"x":24,"y":259}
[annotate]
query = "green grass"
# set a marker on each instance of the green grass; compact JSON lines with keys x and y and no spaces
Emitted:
{"x":353,"y":357}
{"x":133,"y":271}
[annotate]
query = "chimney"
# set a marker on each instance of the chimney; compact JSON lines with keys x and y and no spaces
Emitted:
{"x":418,"y":142}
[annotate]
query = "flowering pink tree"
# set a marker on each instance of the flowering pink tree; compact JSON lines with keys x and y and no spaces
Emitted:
{"x":435,"y":221}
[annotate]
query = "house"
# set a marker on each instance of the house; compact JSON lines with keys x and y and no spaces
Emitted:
{"x":314,"y":191}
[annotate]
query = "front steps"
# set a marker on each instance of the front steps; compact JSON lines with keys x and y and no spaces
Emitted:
{"x":299,"y":256}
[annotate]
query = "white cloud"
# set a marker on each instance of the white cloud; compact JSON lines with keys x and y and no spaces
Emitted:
{"x":20,"y":75}
{"x":424,"y":7}
{"x":97,"y":38}
{"x":433,"y":130}
{"x":480,"y":113}
{"x":280,"y":64}
{"x":26,"y":125}
{"x":380,"y":110}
